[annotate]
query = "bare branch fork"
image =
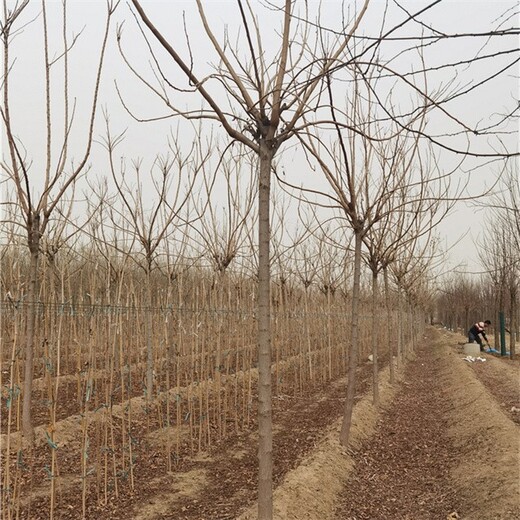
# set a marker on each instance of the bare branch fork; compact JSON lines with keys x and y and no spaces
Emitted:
{"x":266,"y":103}
{"x":38,"y":210}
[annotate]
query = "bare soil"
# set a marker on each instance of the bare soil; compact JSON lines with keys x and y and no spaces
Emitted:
{"x":444,"y":443}
{"x":446,"y":448}
{"x":404,"y":470}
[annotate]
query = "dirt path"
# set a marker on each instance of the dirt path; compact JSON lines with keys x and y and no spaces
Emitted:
{"x":445,"y":448}
{"x":403,"y":472}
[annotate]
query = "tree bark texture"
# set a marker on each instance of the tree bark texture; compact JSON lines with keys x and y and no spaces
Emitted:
{"x":265,"y":426}
{"x":32,"y":309}
{"x":375,"y":339}
{"x":388,"y":326}
{"x":353,"y":347}
{"x":148,"y":316}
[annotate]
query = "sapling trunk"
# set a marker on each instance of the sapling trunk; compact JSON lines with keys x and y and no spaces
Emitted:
{"x":375,"y":339}
{"x":169,"y":355}
{"x":85,"y":436}
{"x":308,"y":334}
{"x":513,"y":322}
{"x":8,"y":494}
{"x":354,"y":345}
{"x":390,"y":333}
{"x":148,"y":315}
{"x":200,"y":418}
{"x":281,"y":340}
{"x":54,"y":402}
{"x":329,"y":337}
{"x":32,"y":309}
{"x":400,"y":327}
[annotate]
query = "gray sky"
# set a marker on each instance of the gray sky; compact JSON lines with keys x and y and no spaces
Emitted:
{"x":147,"y":140}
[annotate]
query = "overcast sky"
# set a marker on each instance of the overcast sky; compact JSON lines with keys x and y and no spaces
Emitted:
{"x":462,"y":230}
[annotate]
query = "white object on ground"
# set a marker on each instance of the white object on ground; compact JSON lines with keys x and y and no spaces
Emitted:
{"x":472,"y":359}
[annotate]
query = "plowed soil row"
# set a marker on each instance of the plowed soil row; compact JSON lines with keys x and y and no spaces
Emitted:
{"x":215,"y":485}
{"x":501,"y":377}
{"x":403,"y":472}
{"x":439,"y":447}
{"x":447,"y":447}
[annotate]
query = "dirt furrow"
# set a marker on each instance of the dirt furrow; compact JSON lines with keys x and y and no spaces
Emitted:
{"x":447,"y":447}
{"x":501,"y":377}
{"x":403,"y":471}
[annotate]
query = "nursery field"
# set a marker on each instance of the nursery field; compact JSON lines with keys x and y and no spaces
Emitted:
{"x":443,"y":442}
{"x":230,"y":235}
{"x":104,"y":447}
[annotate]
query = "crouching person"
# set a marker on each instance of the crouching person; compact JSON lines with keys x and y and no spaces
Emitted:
{"x":478,"y":332}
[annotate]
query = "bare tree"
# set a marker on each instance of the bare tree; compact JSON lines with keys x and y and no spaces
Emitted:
{"x":58,"y":172}
{"x":501,"y":249}
{"x":501,"y":261}
{"x":265,"y":103}
{"x":223,"y":219}
{"x":153,"y":223}
{"x":416,"y":262}
{"x":367,"y":169}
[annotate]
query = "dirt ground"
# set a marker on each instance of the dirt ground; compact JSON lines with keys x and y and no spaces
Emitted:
{"x":446,"y":447}
{"x":444,"y":444}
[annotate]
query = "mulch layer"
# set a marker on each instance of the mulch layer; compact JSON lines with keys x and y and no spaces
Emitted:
{"x":299,"y":424}
{"x":501,"y":377}
{"x":403,"y":471}
{"x":230,"y":481}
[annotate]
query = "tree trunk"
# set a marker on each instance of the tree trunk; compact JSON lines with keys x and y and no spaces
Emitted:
{"x":148,"y":330}
{"x":400,"y":325}
{"x":265,"y":425}
{"x":32,"y":309}
{"x":513,"y":325}
{"x":375,"y":339}
{"x":498,"y":307}
{"x":412,"y":342}
{"x":353,"y":347}
{"x":388,"y":326}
